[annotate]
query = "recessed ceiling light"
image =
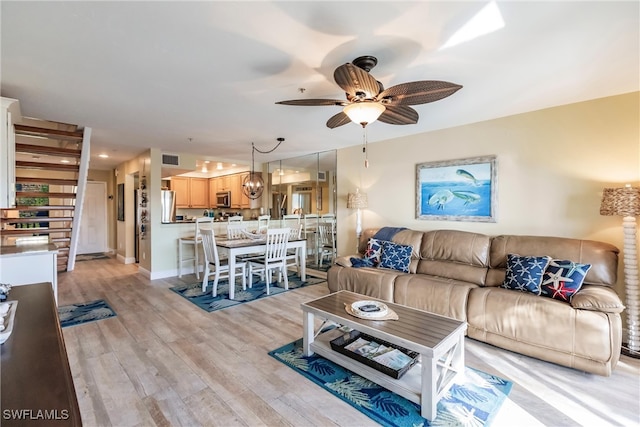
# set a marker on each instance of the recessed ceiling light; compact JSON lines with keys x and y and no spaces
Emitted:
{"x":65,"y":161}
{"x":219,"y":166}
{"x":104,"y":156}
{"x":233,"y":164}
{"x":207,"y":161}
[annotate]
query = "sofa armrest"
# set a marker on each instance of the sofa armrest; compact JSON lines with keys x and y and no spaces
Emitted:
{"x":597,"y":298}
{"x":345,"y":261}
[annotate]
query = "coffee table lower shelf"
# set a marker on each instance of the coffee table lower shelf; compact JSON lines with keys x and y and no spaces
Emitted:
{"x":409,"y":386}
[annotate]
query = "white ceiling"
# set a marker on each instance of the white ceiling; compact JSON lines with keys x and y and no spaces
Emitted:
{"x":154,"y":74}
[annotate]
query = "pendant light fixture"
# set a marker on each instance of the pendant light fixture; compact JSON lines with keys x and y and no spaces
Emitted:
{"x":253,"y":184}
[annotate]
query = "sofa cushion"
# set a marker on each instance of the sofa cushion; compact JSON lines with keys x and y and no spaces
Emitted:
{"x":544,"y":328}
{"x":395,"y":256}
{"x":458,"y":255}
{"x":562,"y":279}
{"x":373,"y":282}
{"x":603,"y":257}
{"x":433,"y":294}
{"x":524,"y":273}
{"x":373,"y":252}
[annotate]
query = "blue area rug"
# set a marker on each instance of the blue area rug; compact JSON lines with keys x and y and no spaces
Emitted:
{"x":76,"y":314}
{"x":207,"y":302}
{"x":91,"y":257}
{"x":472,"y":401}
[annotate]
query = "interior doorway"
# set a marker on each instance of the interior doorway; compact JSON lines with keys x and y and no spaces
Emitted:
{"x":92,"y":237}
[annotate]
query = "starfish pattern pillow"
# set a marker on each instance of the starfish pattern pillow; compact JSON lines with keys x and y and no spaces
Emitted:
{"x":524,"y":273}
{"x":395,"y":256}
{"x":562,"y":279}
{"x":373,"y":254}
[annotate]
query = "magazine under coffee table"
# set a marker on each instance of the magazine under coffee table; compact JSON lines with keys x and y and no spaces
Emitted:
{"x":438,"y":339}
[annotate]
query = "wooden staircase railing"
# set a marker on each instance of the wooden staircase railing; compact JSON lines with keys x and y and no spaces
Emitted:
{"x":51,"y":169}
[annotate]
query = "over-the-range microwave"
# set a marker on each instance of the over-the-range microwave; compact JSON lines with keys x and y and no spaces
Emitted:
{"x":223,"y":199}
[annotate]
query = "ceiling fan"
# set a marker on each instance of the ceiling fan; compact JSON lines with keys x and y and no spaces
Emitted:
{"x":367,"y":100}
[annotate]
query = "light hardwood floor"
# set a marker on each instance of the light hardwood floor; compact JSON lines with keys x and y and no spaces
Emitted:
{"x":163,"y":361}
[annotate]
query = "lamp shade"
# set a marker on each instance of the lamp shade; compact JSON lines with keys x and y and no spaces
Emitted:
{"x":357,"y":200}
{"x":364,"y":112}
{"x":623,"y":201}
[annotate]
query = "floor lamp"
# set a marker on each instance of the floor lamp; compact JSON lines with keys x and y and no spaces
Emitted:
{"x":357,"y":201}
{"x":625,"y":202}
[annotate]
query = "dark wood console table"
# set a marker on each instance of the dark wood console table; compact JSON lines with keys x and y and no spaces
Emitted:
{"x":36,"y":387}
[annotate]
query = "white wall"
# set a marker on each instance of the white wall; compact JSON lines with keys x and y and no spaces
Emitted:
{"x":552,"y":167}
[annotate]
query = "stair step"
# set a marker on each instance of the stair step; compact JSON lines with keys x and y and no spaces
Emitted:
{"x":46,"y":150}
{"x":37,"y":219}
{"x":57,"y":240}
{"x":30,"y":231}
{"x":45,"y":208}
{"x":77,"y":135}
{"x":47,"y":166}
{"x":36,"y":194}
{"x":52,"y":181}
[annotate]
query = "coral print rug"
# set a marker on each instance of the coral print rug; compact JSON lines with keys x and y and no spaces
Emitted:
{"x":472,"y":401}
{"x":76,"y":314}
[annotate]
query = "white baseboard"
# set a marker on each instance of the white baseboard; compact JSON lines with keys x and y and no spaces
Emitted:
{"x":126,"y":260}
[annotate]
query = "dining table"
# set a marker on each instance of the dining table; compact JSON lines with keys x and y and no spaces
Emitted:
{"x":236,"y":247}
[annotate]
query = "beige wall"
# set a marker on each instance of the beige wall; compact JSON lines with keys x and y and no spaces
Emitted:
{"x":552,"y":165}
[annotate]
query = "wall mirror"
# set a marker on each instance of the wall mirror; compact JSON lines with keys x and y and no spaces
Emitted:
{"x":306,"y":186}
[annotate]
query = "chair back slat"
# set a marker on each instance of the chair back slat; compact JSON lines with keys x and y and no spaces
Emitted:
{"x":276,"y":248}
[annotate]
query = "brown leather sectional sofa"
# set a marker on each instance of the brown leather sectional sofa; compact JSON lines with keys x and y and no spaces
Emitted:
{"x":458,"y":274}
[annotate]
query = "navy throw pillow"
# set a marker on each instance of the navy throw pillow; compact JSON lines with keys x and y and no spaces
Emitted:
{"x":563,"y":278}
{"x":395,"y":256}
{"x":524,"y":273}
{"x":360,"y":262}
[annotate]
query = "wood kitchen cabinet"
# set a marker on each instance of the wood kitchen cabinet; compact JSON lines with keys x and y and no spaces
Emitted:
{"x":191,"y":192}
{"x":236,"y":190}
{"x":213,"y":189}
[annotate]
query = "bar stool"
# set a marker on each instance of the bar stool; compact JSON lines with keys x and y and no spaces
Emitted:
{"x":263,"y":222}
{"x":195,"y":241}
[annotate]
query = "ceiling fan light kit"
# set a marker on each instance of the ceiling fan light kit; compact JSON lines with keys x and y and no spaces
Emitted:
{"x":368,"y":100}
{"x":364,"y":92}
{"x":364,"y":112}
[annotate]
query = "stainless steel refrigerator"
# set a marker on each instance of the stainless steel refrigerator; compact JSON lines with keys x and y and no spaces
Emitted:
{"x":168,"y":200}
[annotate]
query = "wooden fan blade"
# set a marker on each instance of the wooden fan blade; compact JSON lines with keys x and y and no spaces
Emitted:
{"x":354,"y":80}
{"x":399,"y":115}
{"x":338,"y":120}
{"x":420,"y":92}
{"x":313,"y":102}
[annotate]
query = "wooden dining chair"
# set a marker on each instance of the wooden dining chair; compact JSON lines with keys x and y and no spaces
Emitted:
{"x":274,"y":257}
{"x":292,"y":256}
{"x":327,"y":241}
{"x":217,"y":267}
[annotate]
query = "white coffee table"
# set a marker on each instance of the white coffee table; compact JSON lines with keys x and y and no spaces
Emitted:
{"x":438,"y":339}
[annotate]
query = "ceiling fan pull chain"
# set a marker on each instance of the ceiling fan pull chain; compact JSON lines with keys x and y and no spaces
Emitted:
{"x":364,"y":147}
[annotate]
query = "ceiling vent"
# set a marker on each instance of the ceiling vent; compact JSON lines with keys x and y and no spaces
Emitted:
{"x":322,"y":176}
{"x":170,"y":160}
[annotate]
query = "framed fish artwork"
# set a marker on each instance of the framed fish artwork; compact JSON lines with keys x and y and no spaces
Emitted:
{"x":457,"y":190}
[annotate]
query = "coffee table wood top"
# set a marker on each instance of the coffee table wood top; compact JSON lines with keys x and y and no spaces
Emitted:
{"x":415,"y":329}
